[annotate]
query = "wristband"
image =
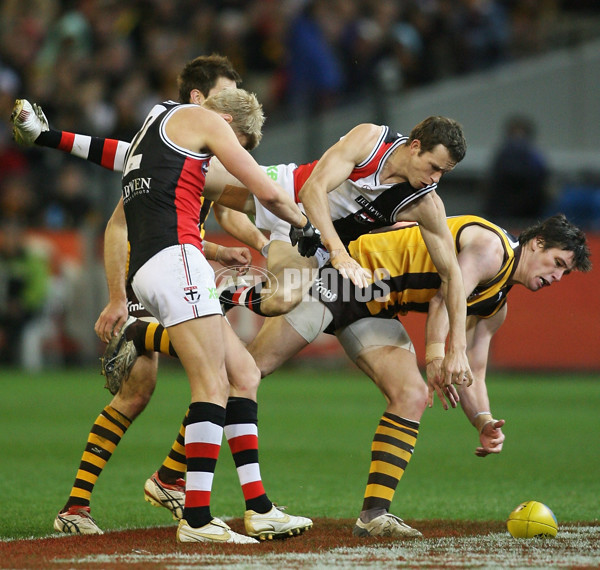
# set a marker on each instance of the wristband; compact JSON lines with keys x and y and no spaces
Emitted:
{"x":305,"y":227}
{"x":481,"y":419}
{"x":435,"y":351}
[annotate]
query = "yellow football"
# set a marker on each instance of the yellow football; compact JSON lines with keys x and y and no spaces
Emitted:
{"x":532,"y":519}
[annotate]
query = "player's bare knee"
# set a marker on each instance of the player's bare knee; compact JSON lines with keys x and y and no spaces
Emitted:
{"x":244,"y":380}
{"x":131,"y":403}
{"x":407,"y":396}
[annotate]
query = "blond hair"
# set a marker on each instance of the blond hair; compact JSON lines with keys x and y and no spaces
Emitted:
{"x":245,"y":110}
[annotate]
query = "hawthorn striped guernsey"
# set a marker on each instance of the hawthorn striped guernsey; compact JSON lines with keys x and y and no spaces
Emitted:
{"x":409,"y":280}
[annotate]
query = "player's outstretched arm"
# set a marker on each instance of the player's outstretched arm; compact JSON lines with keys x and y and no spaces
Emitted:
{"x":430,"y":213}
{"x":238,"y":225}
{"x":436,"y":331}
{"x":239,"y":258}
{"x":114,"y":315}
{"x":332,"y":169}
{"x":474,"y":399}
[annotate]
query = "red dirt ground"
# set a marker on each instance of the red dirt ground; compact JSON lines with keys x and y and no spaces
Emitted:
{"x":68,"y":551}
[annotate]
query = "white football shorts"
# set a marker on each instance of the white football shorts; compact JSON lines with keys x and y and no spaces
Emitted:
{"x":177,"y":285}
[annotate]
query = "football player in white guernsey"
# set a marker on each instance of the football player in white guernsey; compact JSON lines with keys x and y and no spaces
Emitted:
{"x":371,"y":178}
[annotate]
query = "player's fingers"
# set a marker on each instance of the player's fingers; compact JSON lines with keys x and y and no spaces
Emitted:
{"x":356,"y":277}
{"x":102,"y":330}
{"x":453,"y":396}
{"x":468,"y":378}
{"x":356,"y":274}
{"x":118,"y":325}
{"x":430,"y":391}
{"x":441,"y":397}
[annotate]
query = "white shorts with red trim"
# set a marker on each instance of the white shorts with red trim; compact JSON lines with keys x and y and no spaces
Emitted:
{"x":176,"y":285}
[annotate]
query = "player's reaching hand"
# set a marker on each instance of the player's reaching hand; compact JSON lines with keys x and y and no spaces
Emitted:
{"x":237,"y":257}
{"x":349,"y":268}
{"x":111,"y":320}
{"x":435,"y":383}
{"x":491,"y":438}
{"x":456,"y":369}
{"x":308,"y":239}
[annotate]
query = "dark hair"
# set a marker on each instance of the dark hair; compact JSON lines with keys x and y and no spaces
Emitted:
{"x":202,"y":73}
{"x":558,"y":232}
{"x":440,"y":130}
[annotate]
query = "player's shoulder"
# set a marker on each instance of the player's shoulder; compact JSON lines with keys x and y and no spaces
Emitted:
{"x":197,"y":117}
{"x":364,"y":131}
{"x":483,"y":239}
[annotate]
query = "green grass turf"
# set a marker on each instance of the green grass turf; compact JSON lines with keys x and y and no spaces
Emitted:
{"x":316,"y":427}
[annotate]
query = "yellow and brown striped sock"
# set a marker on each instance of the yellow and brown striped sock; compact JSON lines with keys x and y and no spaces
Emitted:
{"x":150,"y":337}
{"x":391,"y":450}
{"x":174,"y":465}
{"x":105,"y":435}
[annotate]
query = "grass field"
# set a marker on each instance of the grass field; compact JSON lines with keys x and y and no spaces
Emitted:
{"x":316,"y":428}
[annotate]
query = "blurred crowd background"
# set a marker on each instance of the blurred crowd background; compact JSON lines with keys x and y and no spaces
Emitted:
{"x":97,"y":67}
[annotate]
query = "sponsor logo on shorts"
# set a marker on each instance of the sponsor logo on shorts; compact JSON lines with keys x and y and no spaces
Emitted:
{"x":135,"y":307}
{"x":323,"y":291}
{"x":330,"y":287}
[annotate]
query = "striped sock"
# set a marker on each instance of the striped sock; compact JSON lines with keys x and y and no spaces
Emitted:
{"x":150,"y":337}
{"x":105,"y":435}
{"x":203,"y":435}
{"x":109,"y":153}
{"x":247,"y":296}
{"x":174,"y":466}
{"x":391,"y":450}
{"x":241,"y":431}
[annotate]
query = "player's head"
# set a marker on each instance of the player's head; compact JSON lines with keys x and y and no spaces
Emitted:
{"x":557,"y":232}
{"x":246,"y":113}
{"x":434,"y":147}
{"x":205,"y":76}
{"x":438,"y":130}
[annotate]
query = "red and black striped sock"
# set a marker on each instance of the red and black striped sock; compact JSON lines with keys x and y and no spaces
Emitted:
{"x":241,"y":431}
{"x":245,"y":295}
{"x":203,"y":435}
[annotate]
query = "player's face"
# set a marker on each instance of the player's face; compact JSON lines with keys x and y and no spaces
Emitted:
{"x":547,"y":266}
{"x":426,"y":168}
{"x":221,"y":84}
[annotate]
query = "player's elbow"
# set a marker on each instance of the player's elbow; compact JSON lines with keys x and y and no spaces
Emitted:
{"x":270,"y":198}
{"x":305,"y":193}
